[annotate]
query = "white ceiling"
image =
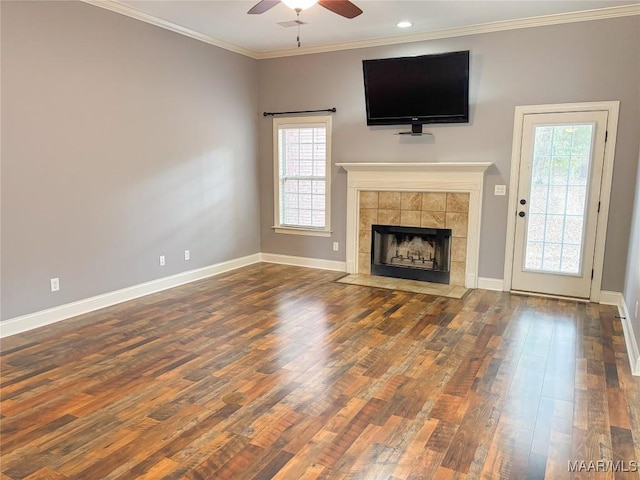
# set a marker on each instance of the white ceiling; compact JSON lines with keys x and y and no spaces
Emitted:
{"x":227,"y":24}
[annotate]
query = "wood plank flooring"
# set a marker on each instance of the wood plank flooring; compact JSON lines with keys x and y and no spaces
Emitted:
{"x":279,"y":372}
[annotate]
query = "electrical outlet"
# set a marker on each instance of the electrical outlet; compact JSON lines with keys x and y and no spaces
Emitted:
{"x":162,"y":260}
{"x":55,"y":284}
{"x":187,"y":255}
{"x":500,"y":190}
{"x":336,"y":246}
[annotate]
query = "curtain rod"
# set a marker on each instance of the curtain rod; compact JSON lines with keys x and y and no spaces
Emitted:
{"x":267,"y":114}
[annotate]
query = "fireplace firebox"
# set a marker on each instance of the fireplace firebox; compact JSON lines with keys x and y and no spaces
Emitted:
{"x":412,"y":253}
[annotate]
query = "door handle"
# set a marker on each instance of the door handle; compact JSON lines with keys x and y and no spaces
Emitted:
{"x":521,"y":214}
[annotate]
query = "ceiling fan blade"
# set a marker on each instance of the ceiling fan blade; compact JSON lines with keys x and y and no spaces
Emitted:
{"x":341,"y":7}
{"x":262,"y":6}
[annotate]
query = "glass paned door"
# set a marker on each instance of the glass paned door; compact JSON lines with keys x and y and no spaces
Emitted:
{"x":558,"y":194}
{"x":559,"y":186}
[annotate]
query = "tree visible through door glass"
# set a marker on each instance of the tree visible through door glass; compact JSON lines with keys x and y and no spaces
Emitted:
{"x":557,"y":198}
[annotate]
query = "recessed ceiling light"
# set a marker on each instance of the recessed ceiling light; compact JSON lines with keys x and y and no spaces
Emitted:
{"x":404,"y":24}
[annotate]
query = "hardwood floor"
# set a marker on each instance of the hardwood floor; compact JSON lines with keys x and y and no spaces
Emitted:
{"x":279,"y":372}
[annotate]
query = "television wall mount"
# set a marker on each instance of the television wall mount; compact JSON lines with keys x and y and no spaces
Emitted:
{"x":416,"y":131}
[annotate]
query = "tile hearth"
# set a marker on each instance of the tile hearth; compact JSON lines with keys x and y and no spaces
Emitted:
{"x":414,"y":286}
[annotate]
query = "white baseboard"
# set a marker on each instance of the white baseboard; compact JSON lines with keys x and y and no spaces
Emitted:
{"x":304,"y":262}
{"x":24,"y":323}
{"x":617,"y":299}
{"x":496,"y":284}
{"x":611,"y":298}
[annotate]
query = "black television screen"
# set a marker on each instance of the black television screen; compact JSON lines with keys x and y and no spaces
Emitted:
{"x":417,"y":90}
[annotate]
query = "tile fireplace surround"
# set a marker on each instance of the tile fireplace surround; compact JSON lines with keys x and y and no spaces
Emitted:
{"x":445,"y":195}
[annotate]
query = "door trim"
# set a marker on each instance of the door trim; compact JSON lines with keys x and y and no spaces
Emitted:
{"x":613,"y":108}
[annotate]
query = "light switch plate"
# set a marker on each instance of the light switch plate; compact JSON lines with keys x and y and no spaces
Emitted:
{"x":500,"y":190}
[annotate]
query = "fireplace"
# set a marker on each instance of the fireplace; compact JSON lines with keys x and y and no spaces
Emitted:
{"x":387,"y":193}
{"x":412,"y":253}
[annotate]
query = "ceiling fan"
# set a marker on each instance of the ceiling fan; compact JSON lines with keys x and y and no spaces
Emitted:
{"x":341,"y":7}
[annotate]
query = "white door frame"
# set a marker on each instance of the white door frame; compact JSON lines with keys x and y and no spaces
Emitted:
{"x":613,"y":108}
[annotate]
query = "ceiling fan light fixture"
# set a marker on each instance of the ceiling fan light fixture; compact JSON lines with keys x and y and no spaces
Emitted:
{"x":299,"y":4}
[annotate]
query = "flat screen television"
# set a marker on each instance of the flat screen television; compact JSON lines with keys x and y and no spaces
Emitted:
{"x":417,"y":90}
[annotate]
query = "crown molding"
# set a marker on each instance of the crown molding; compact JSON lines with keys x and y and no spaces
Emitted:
{"x":540,"y":21}
{"x":122,"y":9}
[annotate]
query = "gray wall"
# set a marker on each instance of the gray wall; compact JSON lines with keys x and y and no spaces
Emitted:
{"x":631,"y":290}
{"x":632,"y":283}
{"x":579,"y":62}
{"x":121,"y":141}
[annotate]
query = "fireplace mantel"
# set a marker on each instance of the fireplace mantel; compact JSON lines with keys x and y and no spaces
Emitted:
{"x":444,"y":167}
{"x":417,"y":177}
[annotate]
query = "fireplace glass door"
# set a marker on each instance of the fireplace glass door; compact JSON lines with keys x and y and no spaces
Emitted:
{"x":411,"y":253}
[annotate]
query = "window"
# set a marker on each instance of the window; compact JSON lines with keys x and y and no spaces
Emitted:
{"x":302,"y":167}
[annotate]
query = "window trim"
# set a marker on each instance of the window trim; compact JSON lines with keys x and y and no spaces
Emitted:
{"x":279,"y":122}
